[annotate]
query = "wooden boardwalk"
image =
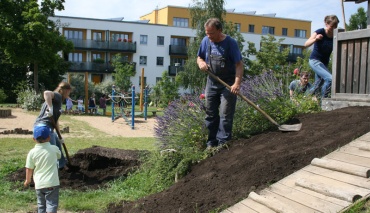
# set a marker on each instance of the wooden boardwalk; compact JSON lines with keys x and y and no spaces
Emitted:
{"x":330,"y":184}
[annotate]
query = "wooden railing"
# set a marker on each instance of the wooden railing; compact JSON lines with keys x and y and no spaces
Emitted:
{"x":351,"y":65}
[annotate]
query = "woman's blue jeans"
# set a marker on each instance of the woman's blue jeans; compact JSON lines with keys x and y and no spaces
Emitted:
{"x":323,"y":78}
{"x":220,"y":108}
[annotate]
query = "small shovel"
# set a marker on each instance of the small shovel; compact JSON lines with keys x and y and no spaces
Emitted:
{"x":284,"y":128}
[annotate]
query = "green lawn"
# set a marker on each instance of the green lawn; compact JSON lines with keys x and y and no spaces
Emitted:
{"x":13,"y":156}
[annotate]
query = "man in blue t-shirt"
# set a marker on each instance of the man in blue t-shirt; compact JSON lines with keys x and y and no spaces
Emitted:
{"x":221,"y":55}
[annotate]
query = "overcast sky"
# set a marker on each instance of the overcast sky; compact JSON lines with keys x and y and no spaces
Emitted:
{"x":311,"y":10}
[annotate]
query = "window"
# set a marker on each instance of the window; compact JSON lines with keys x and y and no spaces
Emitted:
{"x":158,"y":79}
{"x":160,"y":40}
{"x":251,"y":28}
{"x":97,"y":36}
{"x":75,"y":57}
{"x":178,"y":41}
{"x":143,"y":60}
{"x":160,"y":61}
{"x":284,"y":31}
{"x":300,"y":33}
{"x":119,"y":37}
{"x":297,"y":50}
{"x":268,"y":30}
{"x":180,"y":22}
{"x":73,"y":34}
{"x":140,"y":80}
{"x":237,"y":27}
{"x":96,"y":55}
{"x":143,"y":39}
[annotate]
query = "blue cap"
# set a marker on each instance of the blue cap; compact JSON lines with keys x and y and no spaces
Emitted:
{"x":41,"y":132}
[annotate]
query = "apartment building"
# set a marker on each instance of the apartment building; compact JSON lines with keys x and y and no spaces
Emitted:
{"x":158,"y":41}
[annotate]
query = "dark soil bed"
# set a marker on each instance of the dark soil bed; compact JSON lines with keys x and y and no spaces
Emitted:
{"x":93,"y":167}
{"x":227,"y":177}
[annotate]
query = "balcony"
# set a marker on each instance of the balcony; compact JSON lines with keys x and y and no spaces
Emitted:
{"x":94,"y":67}
{"x":292,"y":57}
{"x":172,"y":70}
{"x":89,"y":44}
{"x":178,"y":50}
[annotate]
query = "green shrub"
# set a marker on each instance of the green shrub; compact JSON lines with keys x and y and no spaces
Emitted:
{"x":29,"y":99}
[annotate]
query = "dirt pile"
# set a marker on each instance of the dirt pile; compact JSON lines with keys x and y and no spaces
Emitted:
{"x":226,"y":178}
{"x":253,"y":164}
{"x":91,"y":168}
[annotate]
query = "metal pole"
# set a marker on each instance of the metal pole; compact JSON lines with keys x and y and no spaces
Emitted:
{"x":133,"y":108}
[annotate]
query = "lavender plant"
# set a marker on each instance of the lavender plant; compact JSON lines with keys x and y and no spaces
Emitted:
{"x":182,"y":126}
{"x":268,"y":93}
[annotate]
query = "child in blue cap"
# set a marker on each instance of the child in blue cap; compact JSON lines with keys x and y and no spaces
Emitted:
{"x":42,"y":165}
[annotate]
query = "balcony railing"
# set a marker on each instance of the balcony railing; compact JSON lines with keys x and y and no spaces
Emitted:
{"x":94,"y":67}
{"x":104,"y":45}
{"x":172,"y":70}
{"x":178,"y":50}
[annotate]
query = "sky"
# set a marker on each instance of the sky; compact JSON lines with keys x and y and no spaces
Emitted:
{"x":310,"y":10}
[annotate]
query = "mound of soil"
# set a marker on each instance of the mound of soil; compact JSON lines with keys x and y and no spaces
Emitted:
{"x":227,"y":177}
{"x":91,"y":168}
{"x":253,"y":164}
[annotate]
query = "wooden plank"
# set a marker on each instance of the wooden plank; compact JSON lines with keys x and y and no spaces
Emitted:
{"x":240,"y":207}
{"x":341,"y":166}
{"x":334,"y":183}
{"x":356,"y":66}
{"x":272,"y":203}
{"x":362,"y":145}
{"x":365,"y":137}
{"x":364,"y":52}
{"x":328,"y":190}
{"x":290,"y":182}
{"x":342,"y":71}
{"x":356,"y":34}
{"x":368,"y":70}
{"x":256,"y":206}
{"x":354,"y":151}
{"x":349,"y":74}
{"x":320,"y":205}
{"x":294,"y":206}
{"x":346,"y":178}
{"x":227,"y":211}
{"x":350,"y":158}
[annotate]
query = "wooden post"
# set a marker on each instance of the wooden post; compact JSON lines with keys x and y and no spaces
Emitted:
{"x":344,"y":17}
{"x":142,"y":89}
{"x":86,"y":92}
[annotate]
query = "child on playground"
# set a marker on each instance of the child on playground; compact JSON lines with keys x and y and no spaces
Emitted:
{"x":41,"y":163}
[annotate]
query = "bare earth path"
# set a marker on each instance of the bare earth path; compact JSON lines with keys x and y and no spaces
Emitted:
{"x":24,"y":120}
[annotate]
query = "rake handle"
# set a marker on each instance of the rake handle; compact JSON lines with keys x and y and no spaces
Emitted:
{"x":60,"y":137}
{"x":244,"y":98}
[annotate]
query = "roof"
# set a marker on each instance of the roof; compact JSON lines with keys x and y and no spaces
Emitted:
{"x":356,"y":1}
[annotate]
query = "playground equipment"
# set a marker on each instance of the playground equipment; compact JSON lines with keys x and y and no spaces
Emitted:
{"x":123,"y":101}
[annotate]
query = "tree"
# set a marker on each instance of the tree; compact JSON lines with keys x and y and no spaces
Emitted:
{"x":358,"y":20}
{"x":123,"y":71}
{"x":29,"y":38}
{"x":269,"y":57}
{"x":164,"y":91}
{"x":192,"y":78}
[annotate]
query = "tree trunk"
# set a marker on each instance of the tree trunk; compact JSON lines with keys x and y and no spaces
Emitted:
{"x":36,"y":77}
